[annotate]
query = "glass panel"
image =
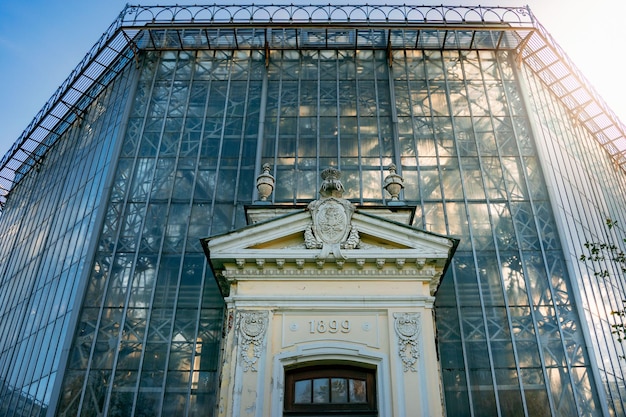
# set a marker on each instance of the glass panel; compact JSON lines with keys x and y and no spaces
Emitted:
{"x":539,"y":289}
{"x":513,"y":278}
{"x":483,"y":396}
{"x":302,"y":393}
{"x":149,"y":403}
{"x":455,"y":385}
{"x":583,"y":380}
{"x":321,"y":391}
{"x":121,"y":402}
{"x":480,"y":226}
{"x":511,"y":402}
{"x":174,"y":404}
{"x":358,"y":391}
{"x":561,"y":391}
{"x":339,"y":390}
{"x":466,"y":282}
{"x":451,"y":179}
{"x":489,"y":276}
{"x":537,"y":402}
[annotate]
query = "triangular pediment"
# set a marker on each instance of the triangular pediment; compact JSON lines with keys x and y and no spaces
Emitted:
{"x":296,"y":245}
{"x":284,"y":237}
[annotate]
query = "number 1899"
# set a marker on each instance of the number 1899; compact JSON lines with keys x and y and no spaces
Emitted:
{"x":330,"y":326}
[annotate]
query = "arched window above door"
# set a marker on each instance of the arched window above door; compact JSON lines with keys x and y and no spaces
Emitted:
{"x":330,"y":390}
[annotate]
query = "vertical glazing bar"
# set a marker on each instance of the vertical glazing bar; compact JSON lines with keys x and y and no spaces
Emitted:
{"x":221,"y":145}
{"x":297,"y":163}
{"x":278,"y":115}
{"x":261,"y":131}
{"x":318,"y":169}
{"x":338,"y":107}
{"x":378,"y":121}
{"x":242,"y":137}
{"x":412,"y":105}
{"x":395,"y":139}
{"x":358,"y":124}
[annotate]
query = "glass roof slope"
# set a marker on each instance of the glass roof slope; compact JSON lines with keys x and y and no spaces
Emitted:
{"x":158,"y":37}
{"x":294,"y":27}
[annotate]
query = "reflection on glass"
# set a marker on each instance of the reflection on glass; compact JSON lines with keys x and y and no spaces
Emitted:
{"x":303,"y":392}
{"x":357,"y":391}
{"x":321,"y":392}
{"x":333,"y":390}
{"x":339,"y":390}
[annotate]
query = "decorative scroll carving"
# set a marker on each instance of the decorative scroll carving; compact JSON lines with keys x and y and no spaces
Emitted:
{"x":408,"y":327}
{"x":353,"y":241}
{"x":294,"y":13}
{"x":309,"y":239}
{"x":252,"y":326}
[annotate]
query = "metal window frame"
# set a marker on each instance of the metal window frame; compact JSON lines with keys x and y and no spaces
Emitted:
{"x":145,"y":27}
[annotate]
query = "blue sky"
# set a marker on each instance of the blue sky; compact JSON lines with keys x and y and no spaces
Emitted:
{"x":41,"y":41}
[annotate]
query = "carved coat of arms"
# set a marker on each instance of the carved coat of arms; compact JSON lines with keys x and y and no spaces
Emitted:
{"x":331,"y":229}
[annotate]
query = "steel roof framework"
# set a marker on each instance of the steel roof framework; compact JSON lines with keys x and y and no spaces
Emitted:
{"x":306,"y":27}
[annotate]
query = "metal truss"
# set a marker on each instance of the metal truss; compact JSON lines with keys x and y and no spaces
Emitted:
{"x":266,"y":27}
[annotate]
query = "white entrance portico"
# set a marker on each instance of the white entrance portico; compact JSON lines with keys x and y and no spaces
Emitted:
{"x":329,"y":310}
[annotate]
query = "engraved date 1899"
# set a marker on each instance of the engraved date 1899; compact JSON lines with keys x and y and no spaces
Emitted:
{"x":330,"y":326}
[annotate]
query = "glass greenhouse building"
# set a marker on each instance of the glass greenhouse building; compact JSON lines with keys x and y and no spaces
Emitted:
{"x":108,"y":305}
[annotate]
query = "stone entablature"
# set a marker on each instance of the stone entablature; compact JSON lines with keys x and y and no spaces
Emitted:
{"x":277,"y":247}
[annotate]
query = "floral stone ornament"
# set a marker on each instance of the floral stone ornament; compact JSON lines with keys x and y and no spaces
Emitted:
{"x":252,"y":326}
{"x":408,"y":329}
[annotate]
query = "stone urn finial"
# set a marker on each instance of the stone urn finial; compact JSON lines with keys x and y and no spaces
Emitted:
{"x":393,"y":183}
{"x":265,"y":183}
